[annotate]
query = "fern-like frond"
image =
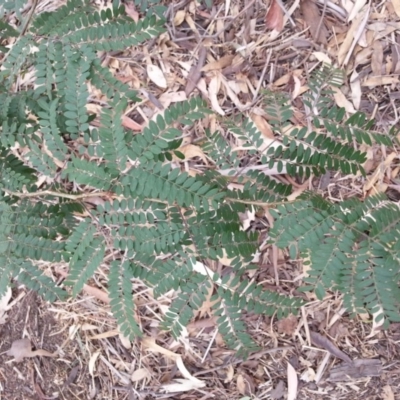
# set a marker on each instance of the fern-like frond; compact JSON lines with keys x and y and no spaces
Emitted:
{"x":121,"y":298}
{"x":192,"y":295}
{"x":219,"y":150}
{"x":7,"y":272}
{"x":102,"y":79}
{"x":88,"y":173}
{"x":31,"y":231}
{"x":45,"y":77}
{"x":230,"y":325}
{"x":113,"y":35}
{"x":159,"y":181}
{"x":356,"y":127}
{"x":14,"y":174}
{"x":143,"y":227}
{"x":49,"y":128}
{"x":159,"y":133}
{"x":162,"y":275}
{"x":76,"y":92}
{"x":278,"y":109}
{"x":28,"y":233}
{"x":113,"y":147}
{"x":6,"y":30}
{"x":32,"y":277}
{"x":165,"y":225}
{"x":87,"y":254}
{"x":351,"y":247}
{"x":246,"y":131}
{"x":313,"y":152}
{"x":15,"y":59}
{"x":62,"y":20}
{"x":320,"y":95}
{"x":41,"y":161}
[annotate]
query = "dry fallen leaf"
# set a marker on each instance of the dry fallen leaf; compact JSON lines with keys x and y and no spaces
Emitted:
{"x":278,"y":392}
{"x":274,"y":17}
{"x":355,"y":85}
{"x":341,"y":100}
{"x":195,"y":72}
{"x":139,"y":374}
{"x":213,"y":90}
{"x":353,"y":36}
{"x":181,"y":385}
{"x":156,"y":76}
{"x":241,"y":385}
{"x":220,"y":64}
{"x":387,"y":393}
{"x":262,"y":125}
{"x":179,"y":17}
{"x":191,"y":151}
{"x":396,"y":6}
{"x":373,"y":81}
{"x":171,"y":97}
{"x":22,"y":348}
{"x":312,"y":18}
{"x":131,"y":124}
{"x":90,"y":290}
{"x":287,"y":325}
{"x":292,"y":382}
{"x":325,"y":343}
{"x":379,"y":173}
{"x":130,"y":10}
{"x":377,"y":58}
{"x":358,"y":5}
{"x":92,"y":362}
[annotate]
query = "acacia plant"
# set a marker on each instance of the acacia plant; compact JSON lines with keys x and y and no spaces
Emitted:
{"x":158,"y":224}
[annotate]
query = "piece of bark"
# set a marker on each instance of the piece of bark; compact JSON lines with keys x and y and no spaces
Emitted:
{"x":358,"y":369}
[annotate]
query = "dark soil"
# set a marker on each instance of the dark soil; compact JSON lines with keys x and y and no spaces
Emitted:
{"x":37,"y":378}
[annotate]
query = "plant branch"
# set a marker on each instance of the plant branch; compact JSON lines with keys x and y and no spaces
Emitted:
{"x":58,"y":194}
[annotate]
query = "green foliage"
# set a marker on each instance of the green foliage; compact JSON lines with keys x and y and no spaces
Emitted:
{"x":351,"y":246}
{"x":157,"y":223}
{"x":28,"y":237}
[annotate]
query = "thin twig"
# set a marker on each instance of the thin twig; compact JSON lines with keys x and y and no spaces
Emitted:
{"x":321,"y":20}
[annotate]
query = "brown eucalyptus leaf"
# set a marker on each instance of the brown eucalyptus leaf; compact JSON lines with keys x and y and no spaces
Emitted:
{"x":195,"y":72}
{"x":325,"y":343}
{"x":274,"y":17}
